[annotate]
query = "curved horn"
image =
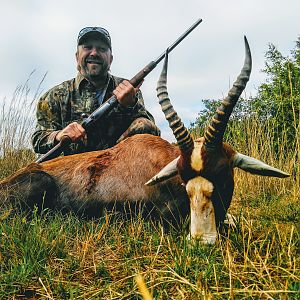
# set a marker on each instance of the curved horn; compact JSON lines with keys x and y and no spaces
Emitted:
{"x":214,"y":133}
{"x":169,"y":171}
{"x":183,"y":137}
{"x":255,"y":166}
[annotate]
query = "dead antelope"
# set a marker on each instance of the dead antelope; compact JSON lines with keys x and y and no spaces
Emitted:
{"x":91,"y":182}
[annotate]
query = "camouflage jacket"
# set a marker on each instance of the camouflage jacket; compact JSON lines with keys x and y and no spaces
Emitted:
{"x":72,"y":101}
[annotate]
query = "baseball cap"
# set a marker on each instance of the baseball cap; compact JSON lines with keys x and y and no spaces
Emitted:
{"x":102,"y":32}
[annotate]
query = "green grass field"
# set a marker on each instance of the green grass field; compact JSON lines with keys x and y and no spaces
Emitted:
{"x":63,"y":257}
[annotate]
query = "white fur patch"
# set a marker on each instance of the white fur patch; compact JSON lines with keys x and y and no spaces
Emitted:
{"x":196,"y":159}
{"x":203,"y":223}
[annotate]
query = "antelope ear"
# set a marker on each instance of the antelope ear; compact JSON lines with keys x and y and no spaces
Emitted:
{"x":255,"y":166}
{"x":169,"y":171}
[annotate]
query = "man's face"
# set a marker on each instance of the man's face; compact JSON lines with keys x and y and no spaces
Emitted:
{"x":94,"y":58}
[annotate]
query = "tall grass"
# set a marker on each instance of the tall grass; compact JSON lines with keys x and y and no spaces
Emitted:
{"x":55,"y":256}
{"x":254,"y":138}
{"x":16,"y":126}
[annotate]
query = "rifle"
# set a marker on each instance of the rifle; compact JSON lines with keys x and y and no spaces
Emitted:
{"x":112,"y":101}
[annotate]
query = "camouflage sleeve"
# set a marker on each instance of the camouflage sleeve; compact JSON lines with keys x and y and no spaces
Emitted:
{"x":48,"y":122}
{"x":137,"y":111}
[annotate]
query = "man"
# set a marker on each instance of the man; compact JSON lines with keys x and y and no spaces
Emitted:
{"x":61,"y":110}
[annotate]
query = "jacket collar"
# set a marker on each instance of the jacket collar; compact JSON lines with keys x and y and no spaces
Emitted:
{"x":81,"y":82}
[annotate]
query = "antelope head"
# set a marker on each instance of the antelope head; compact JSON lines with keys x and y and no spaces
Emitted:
{"x":206,"y":164}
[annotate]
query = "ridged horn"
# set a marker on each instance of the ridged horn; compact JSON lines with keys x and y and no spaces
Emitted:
{"x":183,"y":137}
{"x":214,"y":133}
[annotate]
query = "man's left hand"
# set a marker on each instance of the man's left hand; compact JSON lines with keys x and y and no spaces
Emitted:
{"x":125,"y":93}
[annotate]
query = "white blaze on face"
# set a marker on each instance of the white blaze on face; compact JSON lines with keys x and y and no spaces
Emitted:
{"x":196,"y":160}
{"x":203,"y":224}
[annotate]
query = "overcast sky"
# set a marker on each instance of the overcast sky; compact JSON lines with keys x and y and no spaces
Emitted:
{"x":41,"y":36}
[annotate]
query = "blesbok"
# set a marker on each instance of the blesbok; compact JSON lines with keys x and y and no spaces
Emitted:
{"x":196,"y":175}
{"x":206,"y":164}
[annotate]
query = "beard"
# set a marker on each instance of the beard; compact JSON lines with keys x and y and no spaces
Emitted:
{"x":94,"y":69}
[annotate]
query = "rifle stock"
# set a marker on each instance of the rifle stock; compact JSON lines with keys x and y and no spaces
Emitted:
{"x":106,"y":107}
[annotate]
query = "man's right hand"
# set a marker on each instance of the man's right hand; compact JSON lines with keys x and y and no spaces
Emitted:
{"x":74,"y":131}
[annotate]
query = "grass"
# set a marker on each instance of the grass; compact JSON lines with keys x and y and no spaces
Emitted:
{"x":55,"y":256}
{"x":63,"y":257}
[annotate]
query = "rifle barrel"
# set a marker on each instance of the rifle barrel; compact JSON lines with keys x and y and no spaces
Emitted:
{"x":187,"y":32}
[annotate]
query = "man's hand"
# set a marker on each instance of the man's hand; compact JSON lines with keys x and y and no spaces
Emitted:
{"x":125,"y":93}
{"x":74,"y":131}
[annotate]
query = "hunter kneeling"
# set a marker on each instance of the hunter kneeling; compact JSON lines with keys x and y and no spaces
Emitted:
{"x":63,"y":108}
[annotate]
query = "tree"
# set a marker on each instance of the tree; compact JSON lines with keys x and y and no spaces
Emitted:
{"x":277,"y":101}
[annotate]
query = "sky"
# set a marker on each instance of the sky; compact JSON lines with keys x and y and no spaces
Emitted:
{"x":40,"y":37}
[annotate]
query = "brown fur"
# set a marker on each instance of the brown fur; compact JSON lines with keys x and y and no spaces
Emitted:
{"x":90,"y":182}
